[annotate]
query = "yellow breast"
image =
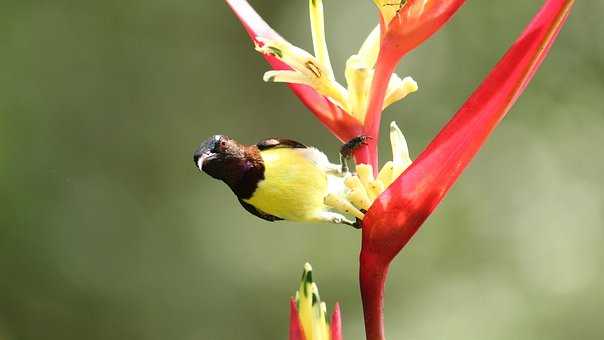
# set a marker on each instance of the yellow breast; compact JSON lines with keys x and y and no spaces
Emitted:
{"x":293,"y":187}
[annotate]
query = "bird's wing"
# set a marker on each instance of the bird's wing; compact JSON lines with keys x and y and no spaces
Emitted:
{"x":279,"y":143}
{"x":310,"y":153}
{"x":252,"y":210}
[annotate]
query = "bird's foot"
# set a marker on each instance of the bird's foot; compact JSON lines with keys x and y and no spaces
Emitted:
{"x":332,"y":217}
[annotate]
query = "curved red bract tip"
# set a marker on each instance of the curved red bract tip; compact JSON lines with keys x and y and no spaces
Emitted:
{"x":341,"y":124}
{"x":398,"y":213}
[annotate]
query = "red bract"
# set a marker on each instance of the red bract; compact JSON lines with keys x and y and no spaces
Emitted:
{"x":295,"y":327}
{"x":336,"y":324}
{"x":398,"y":213}
{"x":415,"y":22}
{"x":340,"y":123}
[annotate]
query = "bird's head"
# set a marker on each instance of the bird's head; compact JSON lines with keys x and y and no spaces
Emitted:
{"x":220,"y":157}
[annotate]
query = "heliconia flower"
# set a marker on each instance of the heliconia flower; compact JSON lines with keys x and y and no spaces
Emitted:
{"x":398,"y":205}
{"x":341,"y":109}
{"x":308,"y":314}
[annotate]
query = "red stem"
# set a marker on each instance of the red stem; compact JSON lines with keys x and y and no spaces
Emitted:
{"x":372,"y":276}
{"x":385,"y":66}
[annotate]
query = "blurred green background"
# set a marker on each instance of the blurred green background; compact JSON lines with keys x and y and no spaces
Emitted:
{"x":107,"y":231}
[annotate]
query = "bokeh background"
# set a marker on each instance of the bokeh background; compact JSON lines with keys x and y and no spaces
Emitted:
{"x":107,"y":231}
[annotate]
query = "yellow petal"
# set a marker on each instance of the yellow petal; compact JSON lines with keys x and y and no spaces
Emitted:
{"x":398,"y":89}
{"x":376,"y":187}
{"x":359,"y":198}
{"x":295,"y":57}
{"x":400,"y":151}
{"x":286,"y":76}
{"x":317,"y":25}
{"x":365,"y":174}
{"x":358,"y":78}
{"x":312,"y":72}
{"x":343,"y":205}
{"x":385,"y":174}
{"x":371,"y":47}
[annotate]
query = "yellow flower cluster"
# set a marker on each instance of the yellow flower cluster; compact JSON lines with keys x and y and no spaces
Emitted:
{"x":363,"y":188}
{"x":316,"y":71}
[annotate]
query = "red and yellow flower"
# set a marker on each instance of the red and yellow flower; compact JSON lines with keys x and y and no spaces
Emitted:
{"x":398,"y":201}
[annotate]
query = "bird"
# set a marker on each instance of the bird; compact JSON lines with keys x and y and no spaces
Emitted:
{"x":278,"y":179}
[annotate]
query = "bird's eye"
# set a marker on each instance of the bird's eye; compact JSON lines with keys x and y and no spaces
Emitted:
{"x":218,"y":147}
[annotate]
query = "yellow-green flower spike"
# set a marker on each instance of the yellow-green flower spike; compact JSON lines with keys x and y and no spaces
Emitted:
{"x":311,"y":311}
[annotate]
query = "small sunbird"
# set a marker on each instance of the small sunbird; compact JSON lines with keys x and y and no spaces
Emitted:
{"x":279,"y":179}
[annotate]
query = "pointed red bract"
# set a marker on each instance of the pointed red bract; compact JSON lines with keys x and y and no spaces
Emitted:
{"x":295,"y":327}
{"x":336,"y":324}
{"x":413,"y":196}
{"x":341,"y":124}
{"x":398,"y":213}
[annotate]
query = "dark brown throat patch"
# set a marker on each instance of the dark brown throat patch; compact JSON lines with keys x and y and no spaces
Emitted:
{"x":251,"y":173}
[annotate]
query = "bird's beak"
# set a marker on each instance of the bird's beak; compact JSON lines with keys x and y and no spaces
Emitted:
{"x":200,"y":158}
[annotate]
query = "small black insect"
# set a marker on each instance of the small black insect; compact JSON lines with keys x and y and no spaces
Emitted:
{"x":349,"y":148}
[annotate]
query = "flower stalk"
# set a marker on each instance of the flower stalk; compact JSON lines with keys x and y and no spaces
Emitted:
{"x":371,"y":127}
